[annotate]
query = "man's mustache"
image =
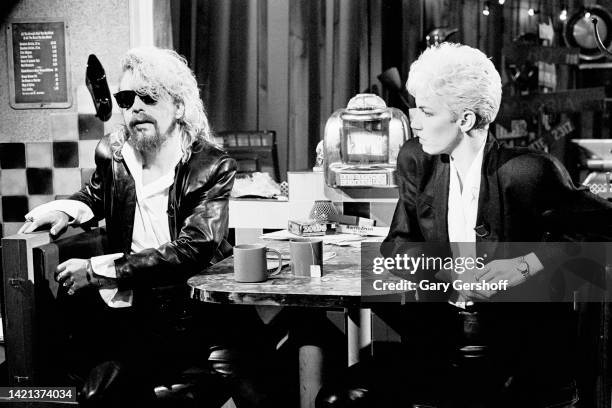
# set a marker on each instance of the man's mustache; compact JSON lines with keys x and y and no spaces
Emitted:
{"x":137,"y":120}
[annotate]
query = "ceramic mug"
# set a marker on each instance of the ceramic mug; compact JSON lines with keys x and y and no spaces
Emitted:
{"x":306,"y":256}
{"x":251,"y":265}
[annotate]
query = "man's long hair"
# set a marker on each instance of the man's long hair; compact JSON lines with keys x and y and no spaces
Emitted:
{"x":163,"y":70}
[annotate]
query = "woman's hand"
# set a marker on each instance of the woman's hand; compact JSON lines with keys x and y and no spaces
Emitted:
{"x":498,"y":271}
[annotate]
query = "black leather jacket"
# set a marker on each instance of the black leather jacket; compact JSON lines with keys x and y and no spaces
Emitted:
{"x":197,"y":214}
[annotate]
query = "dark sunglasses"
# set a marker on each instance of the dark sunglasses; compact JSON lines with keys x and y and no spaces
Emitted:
{"x":125,"y":99}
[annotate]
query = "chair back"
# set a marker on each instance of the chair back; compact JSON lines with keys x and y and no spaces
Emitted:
{"x":254,"y":151}
{"x":30,"y":315}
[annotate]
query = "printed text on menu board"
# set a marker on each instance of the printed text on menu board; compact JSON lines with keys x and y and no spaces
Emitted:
{"x":39,"y":58}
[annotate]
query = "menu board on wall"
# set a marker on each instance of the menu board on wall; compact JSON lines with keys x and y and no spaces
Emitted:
{"x":38,"y":64}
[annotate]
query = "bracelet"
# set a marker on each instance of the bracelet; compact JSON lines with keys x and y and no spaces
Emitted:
{"x":90,"y":274}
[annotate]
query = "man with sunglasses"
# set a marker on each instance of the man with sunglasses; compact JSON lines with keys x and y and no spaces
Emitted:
{"x":162,"y":186}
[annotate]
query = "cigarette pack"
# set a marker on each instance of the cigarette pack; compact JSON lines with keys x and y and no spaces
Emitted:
{"x":307,"y":228}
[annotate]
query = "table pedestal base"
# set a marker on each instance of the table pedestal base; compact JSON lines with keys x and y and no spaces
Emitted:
{"x":358,"y":332}
{"x":311,"y":369}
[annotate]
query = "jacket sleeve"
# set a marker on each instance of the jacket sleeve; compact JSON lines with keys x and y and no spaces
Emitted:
{"x":405,"y":235}
{"x":202,"y":233}
{"x":92,"y":194}
{"x":404,"y":226}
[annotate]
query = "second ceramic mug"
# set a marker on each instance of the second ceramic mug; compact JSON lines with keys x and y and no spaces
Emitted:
{"x":251,"y":265}
{"x":306,"y":255}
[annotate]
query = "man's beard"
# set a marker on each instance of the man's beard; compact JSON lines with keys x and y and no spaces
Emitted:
{"x":143,"y":141}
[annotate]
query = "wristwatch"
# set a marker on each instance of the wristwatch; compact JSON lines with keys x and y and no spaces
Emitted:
{"x":523,"y":267}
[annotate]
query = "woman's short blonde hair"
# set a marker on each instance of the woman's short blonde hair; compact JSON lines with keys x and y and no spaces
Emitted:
{"x":462,"y":76}
{"x":163,"y":70}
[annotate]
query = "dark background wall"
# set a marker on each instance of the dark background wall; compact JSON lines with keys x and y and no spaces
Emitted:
{"x":282,"y":65}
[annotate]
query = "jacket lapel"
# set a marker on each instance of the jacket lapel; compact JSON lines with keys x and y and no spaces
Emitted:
{"x":440,"y":198}
{"x":125,"y":197}
{"x":489,"y":223}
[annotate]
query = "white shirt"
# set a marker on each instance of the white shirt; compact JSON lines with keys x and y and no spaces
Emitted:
{"x":461,"y":216}
{"x":463,"y":203}
{"x":151,"y":227}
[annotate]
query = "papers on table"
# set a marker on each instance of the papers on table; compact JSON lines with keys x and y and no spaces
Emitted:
{"x":334,"y":239}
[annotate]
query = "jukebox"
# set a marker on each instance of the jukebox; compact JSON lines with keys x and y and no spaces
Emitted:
{"x":362,"y":142}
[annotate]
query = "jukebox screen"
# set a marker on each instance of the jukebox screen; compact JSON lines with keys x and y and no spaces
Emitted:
{"x":365,"y":142}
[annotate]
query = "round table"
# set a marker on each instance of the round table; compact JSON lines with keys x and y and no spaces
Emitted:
{"x":338,"y":287}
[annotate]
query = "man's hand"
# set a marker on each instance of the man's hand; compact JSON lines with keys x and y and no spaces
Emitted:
{"x":75,"y":274}
{"x":58,"y":220}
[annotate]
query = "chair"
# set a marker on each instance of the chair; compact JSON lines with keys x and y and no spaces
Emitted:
{"x":349,"y":390}
{"x":34,"y":337}
{"x":254,"y":151}
{"x":26,"y":294}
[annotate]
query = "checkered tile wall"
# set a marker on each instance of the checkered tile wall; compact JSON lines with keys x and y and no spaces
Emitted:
{"x":34,"y":173}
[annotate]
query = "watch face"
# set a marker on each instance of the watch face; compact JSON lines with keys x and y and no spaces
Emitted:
{"x":522,"y":266}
